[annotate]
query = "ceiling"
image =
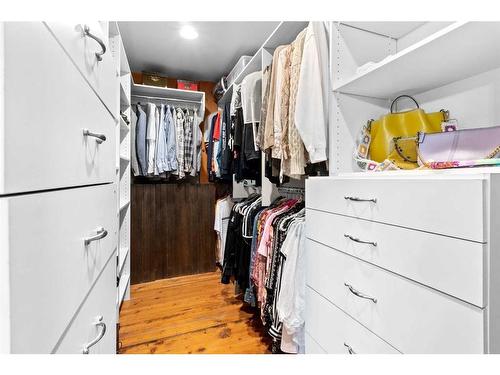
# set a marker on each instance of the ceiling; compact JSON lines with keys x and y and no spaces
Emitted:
{"x":158,"y":47}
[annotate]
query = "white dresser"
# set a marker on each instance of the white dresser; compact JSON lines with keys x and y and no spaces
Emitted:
{"x":403,"y":263}
{"x":58,"y":198}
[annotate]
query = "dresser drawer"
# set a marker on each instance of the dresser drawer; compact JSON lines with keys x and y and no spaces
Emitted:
{"x":338,"y":333}
{"x":46,"y":108}
{"x":410,"y":316}
{"x":51,"y":267}
{"x":98,"y":307}
{"x":451,"y":206}
{"x":82,"y":49}
{"x":453,"y":266}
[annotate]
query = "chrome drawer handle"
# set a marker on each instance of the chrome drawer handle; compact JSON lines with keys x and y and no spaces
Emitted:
{"x":349,"y":349}
{"x":101,"y":233}
{"x":98,"y":323}
{"x":359,"y":294}
{"x":355,"y":239}
{"x":356,"y":199}
{"x":99,"y":138}
{"x":98,"y":55}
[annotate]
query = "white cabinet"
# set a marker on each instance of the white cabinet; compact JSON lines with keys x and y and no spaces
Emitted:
{"x":87,"y":45}
{"x":336,"y":332}
{"x":51,"y":264}
{"x":47,"y":105}
{"x":58,"y":190}
{"x":95,"y":320}
{"x":419,"y":291}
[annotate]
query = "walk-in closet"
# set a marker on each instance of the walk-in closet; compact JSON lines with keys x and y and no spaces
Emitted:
{"x":249,"y":187}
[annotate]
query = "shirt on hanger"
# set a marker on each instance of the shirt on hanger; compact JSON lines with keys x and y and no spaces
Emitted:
{"x":140,"y":141}
{"x":133,"y":152}
{"x":151,"y":137}
{"x":222,"y":212}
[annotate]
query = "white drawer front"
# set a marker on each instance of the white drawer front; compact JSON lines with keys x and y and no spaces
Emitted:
{"x":453,"y":207}
{"x":47,"y":106}
{"x":412,"y":317}
{"x":336,"y":332}
{"x":101,"y":302}
{"x":51,"y":268}
{"x":102,"y":75}
{"x":451,"y":265}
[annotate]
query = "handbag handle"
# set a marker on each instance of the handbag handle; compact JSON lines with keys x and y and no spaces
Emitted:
{"x":403,"y":96}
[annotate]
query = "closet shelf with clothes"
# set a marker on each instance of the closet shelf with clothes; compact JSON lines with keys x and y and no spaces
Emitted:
{"x":167,"y":139}
{"x":264,"y":254}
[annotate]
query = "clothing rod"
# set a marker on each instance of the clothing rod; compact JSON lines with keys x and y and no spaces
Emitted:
{"x":285,"y":189}
{"x":166,"y":99}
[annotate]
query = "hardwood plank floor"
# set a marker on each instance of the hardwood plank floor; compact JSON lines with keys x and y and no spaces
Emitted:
{"x":189,"y":314}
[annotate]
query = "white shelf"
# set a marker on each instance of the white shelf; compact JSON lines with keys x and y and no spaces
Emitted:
{"x":122,"y":288}
{"x":284,"y":33}
{"x":124,"y":128}
{"x":165,"y":92}
{"x":254,"y":65}
{"x":389,"y":29}
{"x":124,"y":205}
{"x":124,"y":98}
{"x":461,"y":50}
{"x":122,"y":257}
{"x":226,"y":97}
{"x":124,"y":160}
{"x":124,"y":67}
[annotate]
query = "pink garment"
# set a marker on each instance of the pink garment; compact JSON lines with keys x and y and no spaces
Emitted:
{"x":261,"y":264}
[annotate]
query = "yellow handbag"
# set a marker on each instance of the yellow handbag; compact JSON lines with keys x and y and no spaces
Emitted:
{"x":393,"y":135}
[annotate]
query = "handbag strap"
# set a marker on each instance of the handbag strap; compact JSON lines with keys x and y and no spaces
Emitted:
{"x":400,"y":97}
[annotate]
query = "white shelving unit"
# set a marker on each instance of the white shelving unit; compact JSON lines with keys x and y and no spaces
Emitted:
{"x":124,"y":78}
{"x":432,"y":62}
{"x":284,"y":33}
{"x":197,"y":98}
{"x":455,"y":66}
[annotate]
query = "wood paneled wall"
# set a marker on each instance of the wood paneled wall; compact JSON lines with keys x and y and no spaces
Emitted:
{"x":172,"y":230}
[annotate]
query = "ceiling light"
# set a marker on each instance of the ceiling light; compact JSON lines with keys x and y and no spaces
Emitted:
{"x":188,"y":32}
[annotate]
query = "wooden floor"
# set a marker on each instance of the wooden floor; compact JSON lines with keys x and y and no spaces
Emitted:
{"x":189,"y":314}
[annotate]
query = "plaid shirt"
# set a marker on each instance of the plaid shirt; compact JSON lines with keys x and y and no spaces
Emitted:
{"x":179,"y":134}
{"x":188,"y":142}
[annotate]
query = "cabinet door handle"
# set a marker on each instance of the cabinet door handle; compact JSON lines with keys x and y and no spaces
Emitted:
{"x":100,"y":324}
{"x":359,"y":294}
{"x":101,"y":233}
{"x":357,"y":199}
{"x":99,"y":138}
{"x":98,"y":55}
{"x":355,"y":239}
{"x":349,"y":348}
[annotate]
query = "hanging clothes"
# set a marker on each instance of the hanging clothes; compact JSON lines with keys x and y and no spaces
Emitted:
{"x":171,"y":147}
{"x":188,"y":141}
{"x":251,"y":102}
{"x":136,"y":171}
{"x":179,"y":136}
{"x":222,"y":214}
{"x":151,"y":137}
{"x":141,"y":142}
{"x":311,"y":114}
{"x":293,"y":160}
{"x":226,"y":151}
{"x":290,"y":305}
{"x":161,"y":142}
